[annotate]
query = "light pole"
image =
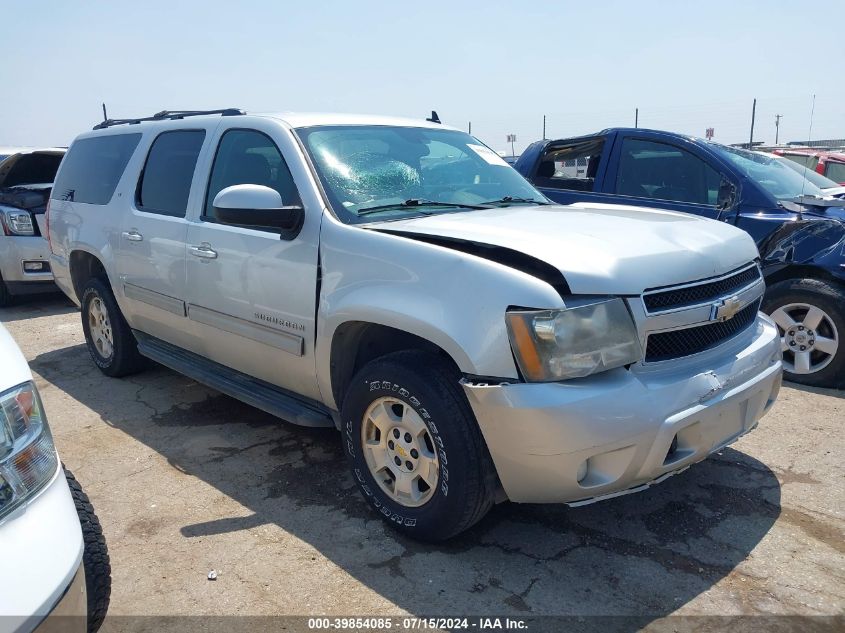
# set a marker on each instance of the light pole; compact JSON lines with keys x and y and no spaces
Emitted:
{"x":753,"y":114}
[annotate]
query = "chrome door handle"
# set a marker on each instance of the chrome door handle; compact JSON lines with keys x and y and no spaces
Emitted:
{"x":133,"y":236}
{"x":203,"y":250}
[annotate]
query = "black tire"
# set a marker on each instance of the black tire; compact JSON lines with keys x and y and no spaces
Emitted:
{"x":6,"y":298}
{"x":95,"y":558}
{"x":831,"y":300}
{"x":125,"y":358}
{"x":467,"y":480}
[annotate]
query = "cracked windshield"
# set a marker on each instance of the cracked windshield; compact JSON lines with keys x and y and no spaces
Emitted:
{"x":395,"y":172}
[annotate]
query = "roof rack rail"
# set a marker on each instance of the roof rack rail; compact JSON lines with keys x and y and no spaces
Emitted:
{"x":168,"y":115}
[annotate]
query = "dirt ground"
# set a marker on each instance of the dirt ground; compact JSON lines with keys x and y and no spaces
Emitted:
{"x":186,"y":480}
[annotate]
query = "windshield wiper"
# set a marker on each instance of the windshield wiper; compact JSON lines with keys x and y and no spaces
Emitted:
{"x":416,"y":202}
{"x":515,"y":200}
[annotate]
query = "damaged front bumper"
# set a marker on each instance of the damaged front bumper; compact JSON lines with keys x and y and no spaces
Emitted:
{"x":583,"y":440}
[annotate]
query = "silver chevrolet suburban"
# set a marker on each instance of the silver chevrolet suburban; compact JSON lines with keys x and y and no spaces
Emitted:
{"x":396,"y":279}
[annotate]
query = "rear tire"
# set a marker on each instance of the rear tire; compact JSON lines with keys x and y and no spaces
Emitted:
{"x":95,"y":557}
{"x":112,"y":345}
{"x":438,"y":450}
{"x":810,"y":314}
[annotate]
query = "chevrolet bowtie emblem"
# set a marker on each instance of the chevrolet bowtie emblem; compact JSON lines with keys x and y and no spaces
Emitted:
{"x":725,"y":309}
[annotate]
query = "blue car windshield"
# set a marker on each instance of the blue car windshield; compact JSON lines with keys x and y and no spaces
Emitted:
{"x":772,"y":175}
{"x":382,"y":172}
{"x":822,"y":182}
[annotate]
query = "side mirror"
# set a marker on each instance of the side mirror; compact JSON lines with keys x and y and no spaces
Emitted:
{"x":256,"y":207}
{"x":727,"y":195}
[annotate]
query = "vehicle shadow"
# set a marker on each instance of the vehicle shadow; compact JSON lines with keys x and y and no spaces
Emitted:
{"x":643,"y":555}
{"x":33,"y":306}
{"x":819,"y":391}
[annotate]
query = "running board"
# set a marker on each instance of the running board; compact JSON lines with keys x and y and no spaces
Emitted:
{"x":258,"y":393}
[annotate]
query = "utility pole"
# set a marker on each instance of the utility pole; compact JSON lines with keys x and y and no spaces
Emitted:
{"x":470,"y":128}
{"x":777,"y":126}
{"x":544,"y":127}
{"x":637,"y":117}
{"x":753,"y":114}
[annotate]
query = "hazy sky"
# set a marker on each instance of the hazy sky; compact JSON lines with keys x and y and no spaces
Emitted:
{"x":502,"y":65}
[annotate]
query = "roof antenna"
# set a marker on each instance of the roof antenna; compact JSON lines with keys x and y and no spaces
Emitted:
{"x":105,"y":116}
{"x":433,"y":118}
{"x":809,"y":136}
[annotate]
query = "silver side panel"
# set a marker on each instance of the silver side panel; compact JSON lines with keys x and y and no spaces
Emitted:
{"x":156,"y":299}
{"x":290,"y":343}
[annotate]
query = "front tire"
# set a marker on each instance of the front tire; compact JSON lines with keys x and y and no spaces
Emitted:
{"x":810,"y":315}
{"x":112,"y":345}
{"x":6,"y":298}
{"x":95,"y":557}
{"x":415,"y":448}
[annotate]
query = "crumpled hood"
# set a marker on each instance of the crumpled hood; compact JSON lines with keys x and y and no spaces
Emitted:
{"x":600,"y":248}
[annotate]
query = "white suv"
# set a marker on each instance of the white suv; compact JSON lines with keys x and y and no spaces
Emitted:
{"x":398,"y":280}
{"x":56,"y":571}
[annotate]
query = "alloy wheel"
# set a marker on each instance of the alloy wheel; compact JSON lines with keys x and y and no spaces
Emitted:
{"x":809,"y":339}
{"x":399,"y":451}
{"x":99,"y":326}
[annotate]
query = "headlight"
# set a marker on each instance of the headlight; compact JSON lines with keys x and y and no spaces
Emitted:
{"x":28,"y":458}
{"x":573,"y":342}
{"x":18,"y":223}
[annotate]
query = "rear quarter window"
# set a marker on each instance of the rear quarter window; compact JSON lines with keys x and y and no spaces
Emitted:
{"x":92,"y":168}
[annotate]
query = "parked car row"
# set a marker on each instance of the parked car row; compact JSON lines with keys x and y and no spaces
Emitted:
{"x":798,"y":228}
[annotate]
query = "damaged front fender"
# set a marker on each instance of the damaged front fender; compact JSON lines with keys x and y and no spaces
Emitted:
{"x":816,"y":242}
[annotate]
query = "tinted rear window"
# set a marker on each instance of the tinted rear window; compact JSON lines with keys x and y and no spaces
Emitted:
{"x":92,"y":168}
{"x":166,"y":180}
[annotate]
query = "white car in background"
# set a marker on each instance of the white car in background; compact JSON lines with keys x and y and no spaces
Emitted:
{"x":26,"y":178}
{"x":55,"y":560}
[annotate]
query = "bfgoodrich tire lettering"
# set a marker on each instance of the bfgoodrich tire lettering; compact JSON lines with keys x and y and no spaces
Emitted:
{"x":110,"y":341}
{"x":465,"y":481}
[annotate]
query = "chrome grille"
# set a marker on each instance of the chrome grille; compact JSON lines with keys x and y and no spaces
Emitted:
{"x":692,"y":340}
{"x":694,"y":294}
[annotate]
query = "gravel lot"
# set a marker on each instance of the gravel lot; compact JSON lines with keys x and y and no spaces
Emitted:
{"x":186,"y":480}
